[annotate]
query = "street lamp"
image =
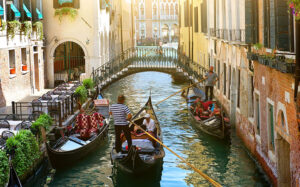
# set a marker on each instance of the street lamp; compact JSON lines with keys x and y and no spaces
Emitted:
{"x":155,"y":34}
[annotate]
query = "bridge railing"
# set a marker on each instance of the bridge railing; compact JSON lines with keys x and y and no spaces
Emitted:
{"x":147,"y":57}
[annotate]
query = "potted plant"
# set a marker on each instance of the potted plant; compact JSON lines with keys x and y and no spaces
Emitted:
{"x":12,"y":71}
{"x":252,"y":56}
{"x":89,"y":85}
{"x":4,"y":168}
{"x":81,"y":94}
{"x":24,"y":68}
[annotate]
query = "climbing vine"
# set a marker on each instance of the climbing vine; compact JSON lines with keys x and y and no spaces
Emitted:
{"x":12,"y":28}
{"x":4,"y":168}
{"x":26,"y":28}
{"x":39,"y":29}
{"x":72,"y":12}
{"x":295,"y":7}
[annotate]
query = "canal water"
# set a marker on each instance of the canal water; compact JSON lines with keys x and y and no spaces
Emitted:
{"x":225,"y":161}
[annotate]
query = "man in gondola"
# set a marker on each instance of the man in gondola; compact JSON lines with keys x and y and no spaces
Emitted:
{"x":211,"y":78}
{"x":121,"y":115}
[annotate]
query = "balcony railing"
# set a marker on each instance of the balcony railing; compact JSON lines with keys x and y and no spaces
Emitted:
{"x":168,"y":17}
{"x":237,"y":35}
{"x":212,"y":32}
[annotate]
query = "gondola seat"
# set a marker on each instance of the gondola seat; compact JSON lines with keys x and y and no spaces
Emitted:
{"x":83,"y":126}
{"x":95,"y":119}
{"x":143,"y":145}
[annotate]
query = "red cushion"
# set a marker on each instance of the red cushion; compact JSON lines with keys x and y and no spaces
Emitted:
{"x":197,"y":118}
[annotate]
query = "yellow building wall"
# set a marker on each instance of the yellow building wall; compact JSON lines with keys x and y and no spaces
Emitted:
{"x":193,"y":44}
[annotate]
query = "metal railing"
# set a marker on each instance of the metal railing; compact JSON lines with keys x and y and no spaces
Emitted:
{"x":146,"y":57}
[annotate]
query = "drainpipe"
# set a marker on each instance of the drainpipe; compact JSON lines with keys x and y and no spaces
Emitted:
{"x":297,"y":73}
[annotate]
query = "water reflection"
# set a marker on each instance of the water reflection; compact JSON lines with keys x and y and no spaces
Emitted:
{"x":226,"y":162}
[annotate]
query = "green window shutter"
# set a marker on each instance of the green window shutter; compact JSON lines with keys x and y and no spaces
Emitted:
{"x":272,"y":24}
{"x":272,"y":126}
{"x":267,"y":23}
{"x":204,"y":17}
{"x":282,"y":22}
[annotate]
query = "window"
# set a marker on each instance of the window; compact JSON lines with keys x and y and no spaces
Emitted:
{"x":186,"y":14}
{"x":238,"y":88}
{"x":67,"y":3}
{"x":154,"y":10}
{"x":224,"y":78}
{"x":267,"y":23}
{"x":172,"y":10}
{"x":257,"y":106}
{"x":142,"y":10}
{"x":251,"y":96}
{"x":229,"y":82}
{"x":24,"y":59}
{"x":282,"y":119}
{"x":271,"y":127}
{"x":176,"y":9}
{"x":204,"y":17}
{"x":219,"y":73}
{"x":12,"y":62}
{"x":196,"y":19}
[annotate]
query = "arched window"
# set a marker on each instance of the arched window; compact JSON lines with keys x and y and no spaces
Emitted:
{"x":154,"y":10}
{"x":172,"y":9}
{"x":282,"y":119}
{"x":142,"y":10}
{"x":167,"y":10}
{"x":176,"y":9}
{"x":162,"y":10}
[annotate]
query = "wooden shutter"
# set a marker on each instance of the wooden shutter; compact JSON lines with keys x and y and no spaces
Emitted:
{"x":248,"y":21}
{"x":282,"y":28}
{"x":204,"y":17}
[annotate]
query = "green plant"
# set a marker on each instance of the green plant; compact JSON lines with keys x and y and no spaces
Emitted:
{"x":295,"y":7}
{"x":72,"y":12}
{"x":26,"y":28}
{"x":3,"y":27}
{"x":12,"y":28}
{"x":88,"y":83}
{"x":26,"y":151}
{"x":258,"y":46}
{"x":43,"y":121}
{"x":4,"y":168}
{"x":82,"y":94}
{"x":39,"y":29}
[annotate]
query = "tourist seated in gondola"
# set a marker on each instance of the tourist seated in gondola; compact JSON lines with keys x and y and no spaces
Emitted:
{"x":149,"y":123}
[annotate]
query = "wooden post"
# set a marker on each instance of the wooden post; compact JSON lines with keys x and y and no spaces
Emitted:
{"x":297,"y":73}
{"x":59,"y":114}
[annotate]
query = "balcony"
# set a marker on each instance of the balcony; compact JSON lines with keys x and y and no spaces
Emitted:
{"x":169,"y":17}
{"x":231,"y":35}
{"x":212,"y":32}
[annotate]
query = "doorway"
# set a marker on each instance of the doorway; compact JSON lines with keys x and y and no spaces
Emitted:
{"x":283,"y":162}
{"x":36,"y":72}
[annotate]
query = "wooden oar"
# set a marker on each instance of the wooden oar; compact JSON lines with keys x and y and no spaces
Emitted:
{"x":192,"y":166}
{"x":179,"y":92}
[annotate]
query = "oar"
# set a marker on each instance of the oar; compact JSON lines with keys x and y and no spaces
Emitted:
{"x":192,"y":166}
{"x":178,"y":92}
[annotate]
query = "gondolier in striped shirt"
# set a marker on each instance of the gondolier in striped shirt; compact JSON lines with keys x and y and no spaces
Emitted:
{"x":121,"y":115}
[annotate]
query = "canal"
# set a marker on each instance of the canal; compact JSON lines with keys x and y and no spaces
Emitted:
{"x":226,"y":162}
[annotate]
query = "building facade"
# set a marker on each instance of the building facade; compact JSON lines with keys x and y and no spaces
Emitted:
{"x":21,"y":49}
{"x":193,"y":31}
{"x":251,"y":44}
{"x":157,"y":20}
{"x":77,"y":38}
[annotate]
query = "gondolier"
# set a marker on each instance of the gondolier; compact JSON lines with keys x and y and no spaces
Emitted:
{"x":211,"y":78}
{"x":121,"y":115}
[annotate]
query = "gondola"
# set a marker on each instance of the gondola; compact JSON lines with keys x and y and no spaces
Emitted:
{"x":217,"y":125}
{"x":139,"y":159}
{"x":14,"y":180}
{"x":69,"y":148}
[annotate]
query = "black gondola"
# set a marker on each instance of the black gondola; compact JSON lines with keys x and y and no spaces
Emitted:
{"x":136,"y":160}
{"x":215,"y":126}
{"x":67,"y":150}
{"x":14,"y":180}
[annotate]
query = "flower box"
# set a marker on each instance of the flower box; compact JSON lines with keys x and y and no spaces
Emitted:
{"x":252,"y":56}
{"x":12,"y":71}
{"x":24,"y":68}
{"x":285,"y":67}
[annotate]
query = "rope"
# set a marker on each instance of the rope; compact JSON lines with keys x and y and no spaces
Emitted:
{"x":213,"y":182}
{"x":179,"y":92}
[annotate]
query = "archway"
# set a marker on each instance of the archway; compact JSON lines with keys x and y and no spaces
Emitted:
{"x":165,"y":33}
{"x":174,"y":33}
{"x":69,"y":62}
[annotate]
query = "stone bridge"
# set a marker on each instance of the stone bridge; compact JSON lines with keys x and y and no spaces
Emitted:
{"x":141,"y":59}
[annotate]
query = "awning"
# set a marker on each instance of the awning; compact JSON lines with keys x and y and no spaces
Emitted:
{"x":15,"y":10}
{"x":40,"y":15}
{"x":28,"y":13}
{"x":1,"y":11}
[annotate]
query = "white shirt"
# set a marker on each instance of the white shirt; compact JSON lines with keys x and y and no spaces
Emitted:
{"x":150,"y":126}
